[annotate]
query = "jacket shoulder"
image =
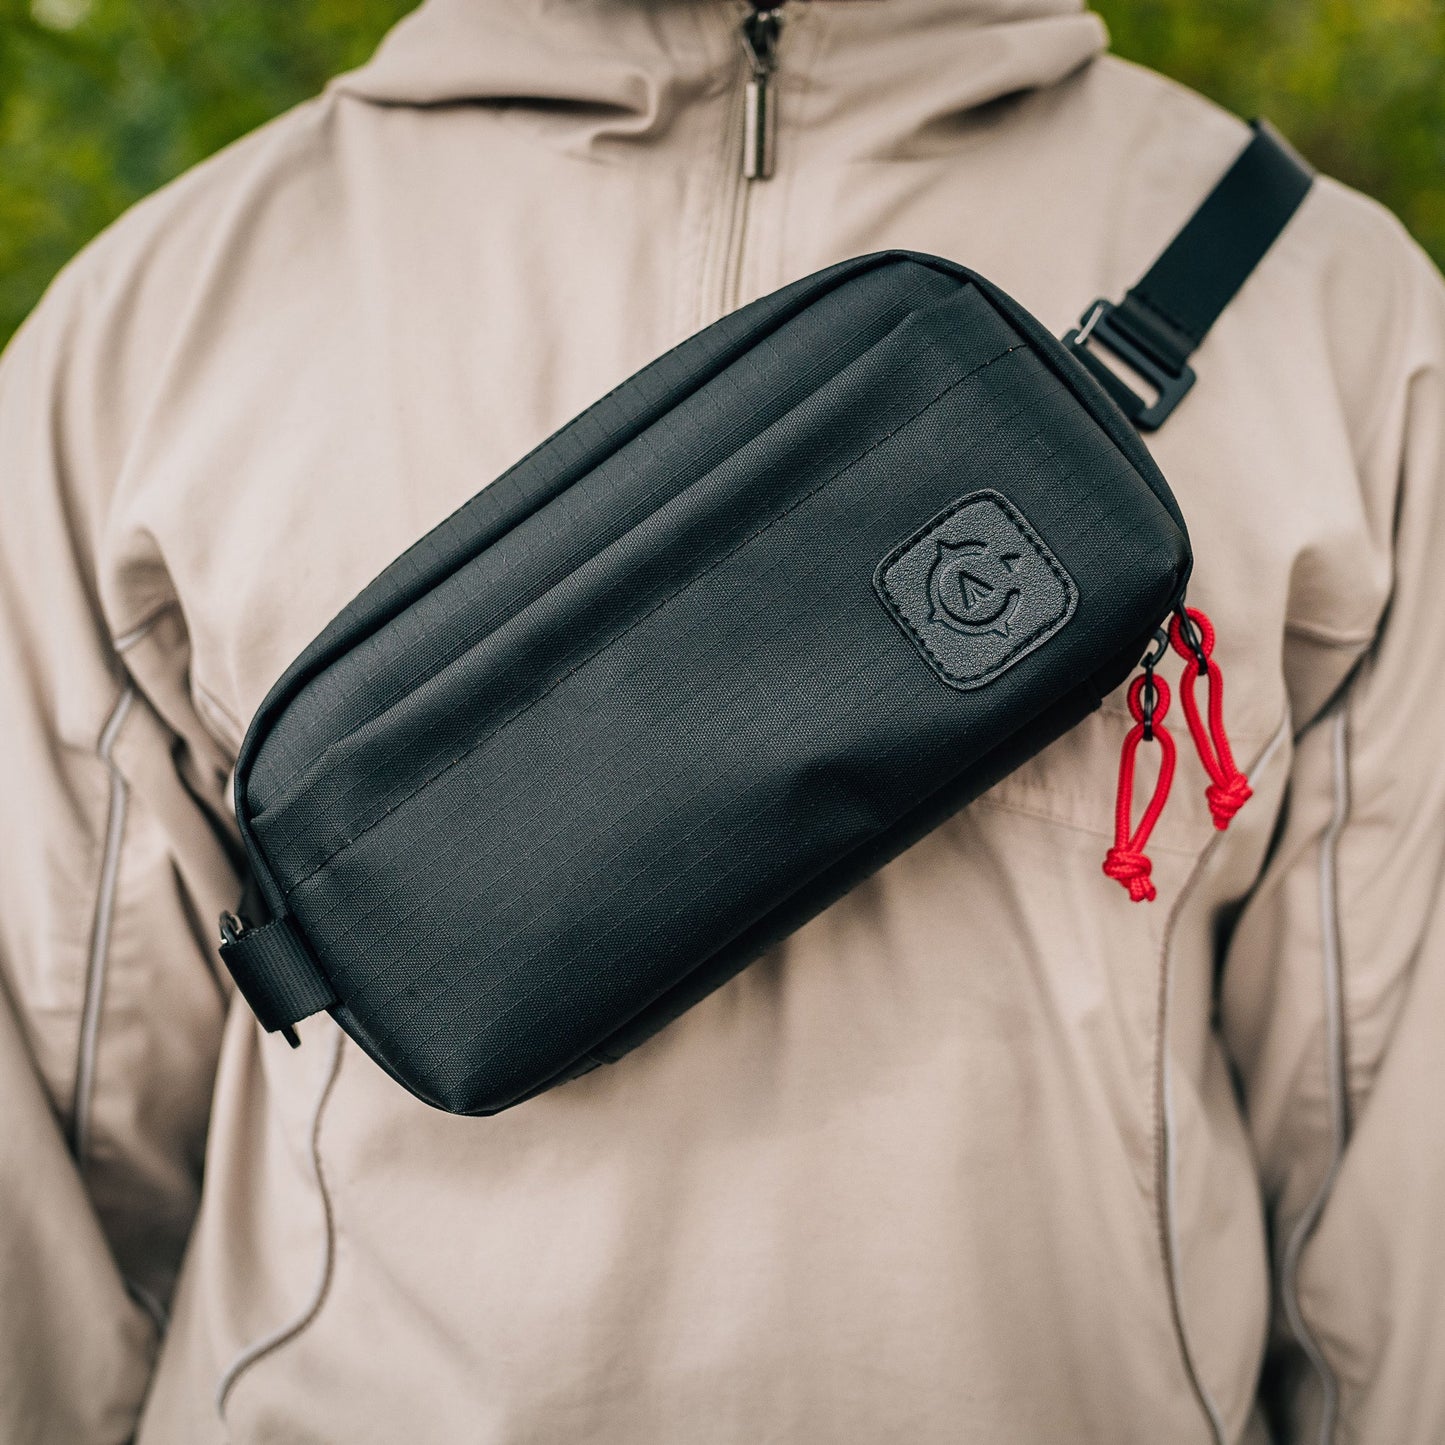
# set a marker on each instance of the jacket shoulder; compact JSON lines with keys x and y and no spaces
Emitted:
{"x":1344,"y":260}
{"x":1167,"y":121}
{"x":139,"y":276}
{"x":188,"y":263}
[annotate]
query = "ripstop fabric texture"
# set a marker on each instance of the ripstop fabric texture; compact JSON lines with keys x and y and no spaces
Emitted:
{"x":635,"y":711}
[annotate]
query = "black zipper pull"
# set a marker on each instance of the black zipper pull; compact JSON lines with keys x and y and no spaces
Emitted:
{"x":762,"y":26}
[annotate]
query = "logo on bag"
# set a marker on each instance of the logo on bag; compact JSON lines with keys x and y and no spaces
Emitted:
{"x":970,"y":588}
{"x":976,"y":589}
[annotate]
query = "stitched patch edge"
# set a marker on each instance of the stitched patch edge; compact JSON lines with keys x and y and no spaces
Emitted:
{"x":967,"y":682}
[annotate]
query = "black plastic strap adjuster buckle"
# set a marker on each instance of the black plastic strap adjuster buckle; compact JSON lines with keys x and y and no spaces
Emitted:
{"x":1104,"y":323}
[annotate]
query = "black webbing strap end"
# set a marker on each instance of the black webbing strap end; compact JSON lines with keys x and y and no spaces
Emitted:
{"x":1158,"y":325}
{"x":275,"y":973}
{"x":1119,"y":329}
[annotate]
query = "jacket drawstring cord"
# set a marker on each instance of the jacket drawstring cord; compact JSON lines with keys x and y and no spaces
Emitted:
{"x":1126,"y":861}
{"x":1192,"y":634}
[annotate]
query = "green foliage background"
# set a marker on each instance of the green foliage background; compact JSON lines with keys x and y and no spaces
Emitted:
{"x":101,"y":101}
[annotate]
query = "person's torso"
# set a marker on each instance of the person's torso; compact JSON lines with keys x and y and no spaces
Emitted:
{"x":961,"y":1159}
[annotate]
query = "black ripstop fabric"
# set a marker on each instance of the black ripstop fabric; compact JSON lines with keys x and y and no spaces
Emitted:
{"x":652,"y":699}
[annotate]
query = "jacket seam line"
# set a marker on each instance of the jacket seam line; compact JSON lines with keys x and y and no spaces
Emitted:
{"x":102,"y":920}
{"x":1022,"y":802}
{"x":1165,"y":1143}
{"x":1332,"y":998}
{"x":222,"y":719}
{"x":1328,"y":636}
{"x":266,"y":1344}
{"x":103,"y":913}
{"x":124,"y":641}
{"x":1041,"y":814}
{"x":1165,"y":1153}
{"x":712,"y":566}
{"x":157,"y":1312}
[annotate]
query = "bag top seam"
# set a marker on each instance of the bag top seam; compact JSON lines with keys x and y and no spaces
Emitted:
{"x":431,"y":778}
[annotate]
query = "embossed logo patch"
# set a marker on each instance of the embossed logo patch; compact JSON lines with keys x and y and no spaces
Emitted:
{"x":976,"y":589}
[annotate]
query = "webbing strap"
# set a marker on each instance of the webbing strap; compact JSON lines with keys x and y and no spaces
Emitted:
{"x":275,"y":973}
{"x":1162,"y":319}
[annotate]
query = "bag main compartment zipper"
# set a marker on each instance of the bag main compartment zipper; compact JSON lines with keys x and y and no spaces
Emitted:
{"x":1191,"y":634}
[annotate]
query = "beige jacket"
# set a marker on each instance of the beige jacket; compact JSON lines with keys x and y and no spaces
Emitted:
{"x":986,"y":1153}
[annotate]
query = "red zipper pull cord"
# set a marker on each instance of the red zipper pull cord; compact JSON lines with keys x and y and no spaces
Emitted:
{"x":1192,"y":634}
{"x":1126,"y":860}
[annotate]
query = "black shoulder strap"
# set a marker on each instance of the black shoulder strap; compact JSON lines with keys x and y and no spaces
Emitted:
{"x":1160,"y":322}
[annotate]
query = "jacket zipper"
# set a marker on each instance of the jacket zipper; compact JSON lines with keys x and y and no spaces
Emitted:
{"x":752,"y":123}
{"x":761,"y":28}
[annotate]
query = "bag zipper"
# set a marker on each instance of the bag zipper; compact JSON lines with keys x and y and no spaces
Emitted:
{"x":1191,"y":634}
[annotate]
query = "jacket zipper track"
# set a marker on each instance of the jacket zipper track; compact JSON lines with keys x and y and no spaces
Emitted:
{"x":752,"y":147}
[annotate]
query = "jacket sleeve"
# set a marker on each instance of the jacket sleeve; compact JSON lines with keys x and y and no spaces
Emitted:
{"x":1333,"y":995}
{"x":111,"y":862}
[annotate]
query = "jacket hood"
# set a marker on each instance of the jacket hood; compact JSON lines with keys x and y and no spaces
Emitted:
{"x":626,"y":68}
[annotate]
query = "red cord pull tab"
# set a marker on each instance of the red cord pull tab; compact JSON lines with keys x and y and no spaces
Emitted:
{"x":1126,"y":860}
{"x":1192,"y":634}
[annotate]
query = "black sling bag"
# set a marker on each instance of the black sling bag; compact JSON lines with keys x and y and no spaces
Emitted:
{"x":716,"y":651}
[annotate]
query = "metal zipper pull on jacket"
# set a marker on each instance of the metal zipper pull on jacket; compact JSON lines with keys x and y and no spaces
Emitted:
{"x":760,"y":32}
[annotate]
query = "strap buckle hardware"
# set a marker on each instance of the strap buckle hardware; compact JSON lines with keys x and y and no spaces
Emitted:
{"x":236,"y":934}
{"x":1104,"y":323}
